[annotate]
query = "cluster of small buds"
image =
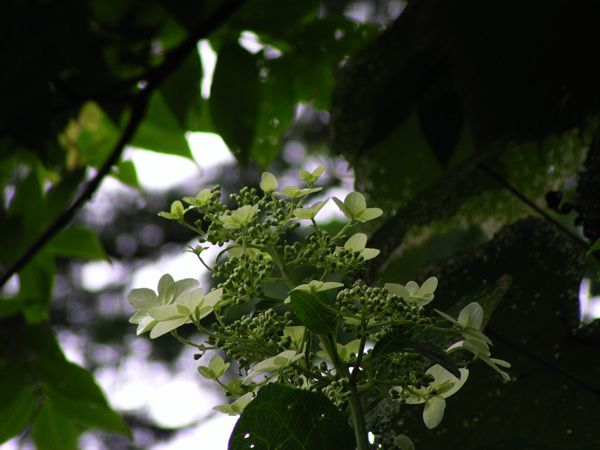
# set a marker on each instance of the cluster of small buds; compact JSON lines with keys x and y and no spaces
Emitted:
{"x":372,"y":300}
{"x":338,"y":391}
{"x":404,"y":368}
{"x":246,"y":196}
{"x":253,"y":338}
{"x":242,"y":277}
{"x":317,"y":250}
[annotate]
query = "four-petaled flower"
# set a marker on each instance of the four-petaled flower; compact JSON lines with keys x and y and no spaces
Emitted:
{"x":310,"y":178}
{"x":434,"y":395}
{"x":201,"y":199}
{"x":268,"y":182}
{"x":315,"y":286}
{"x":233,"y":220}
{"x":177,"y":211}
{"x":357,"y":243}
{"x":414,"y":294}
{"x":237,"y":407}
{"x":293,"y":192}
{"x":144,"y":299}
{"x":189,"y":307}
{"x":354,"y":207}
{"x":309,"y":213}
{"x":273,"y":364}
{"x":470,"y":322}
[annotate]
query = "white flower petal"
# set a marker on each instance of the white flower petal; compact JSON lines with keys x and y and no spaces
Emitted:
{"x":369,"y":214}
{"x":369,"y":253}
{"x":165,"y":281}
{"x":433,"y":413}
{"x":398,"y":289}
{"x":429,"y":286}
{"x":471,"y":316}
{"x":355,"y":204}
{"x":356,"y":243}
{"x":412,"y":287}
{"x":142,"y":298}
{"x":164,"y":312}
{"x":167,"y":326}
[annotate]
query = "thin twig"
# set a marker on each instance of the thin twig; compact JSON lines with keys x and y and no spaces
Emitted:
{"x":518,"y":194}
{"x":154,"y":79}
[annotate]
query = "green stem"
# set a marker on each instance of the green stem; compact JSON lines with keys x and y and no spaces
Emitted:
{"x":183,"y":340}
{"x":354,"y":402}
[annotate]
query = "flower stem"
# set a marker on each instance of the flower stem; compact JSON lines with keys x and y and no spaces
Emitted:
{"x":354,"y":402}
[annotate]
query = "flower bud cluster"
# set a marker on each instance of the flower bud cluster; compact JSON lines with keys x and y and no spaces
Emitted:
{"x":241,"y":278}
{"x":290,"y":306}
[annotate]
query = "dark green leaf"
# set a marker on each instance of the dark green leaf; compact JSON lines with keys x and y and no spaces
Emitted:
{"x":77,"y":242}
{"x":276,"y":18}
{"x":594,"y":247}
{"x":555,"y":391}
{"x":235,"y":98}
{"x":126,"y":173}
{"x":312,"y":312}
{"x":75,"y":394}
{"x":10,"y":306}
{"x":276,"y":111}
{"x":160,"y":130}
{"x":281,"y":417}
{"x":181,"y":92}
{"x":17,"y":402}
{"x":52,"y":430}
{"x":89,"y":413}
{"x":36,"y":282}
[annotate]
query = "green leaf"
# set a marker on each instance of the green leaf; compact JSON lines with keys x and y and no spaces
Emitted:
{"x":281,"y":417}
{"x":235,"y":98}
{"x":126,"y":173}
{"x":276,"y":111}
{"x":17,"y":403}
{"x":160,"y":130}
{"x":312,"y":312}
{"x":554,"y":395}
{"x":181,"y":92}
{"x":52,"y":430}
{"x":77,"y":242}
{"x":36,"y":283}
{"x":75,"y":394}
{"x":594,"y":247}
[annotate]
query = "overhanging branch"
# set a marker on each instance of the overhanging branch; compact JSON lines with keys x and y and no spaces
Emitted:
{"x":154,"y":78}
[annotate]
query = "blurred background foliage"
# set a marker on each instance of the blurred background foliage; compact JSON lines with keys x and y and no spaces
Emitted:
{"x":473,"y":125}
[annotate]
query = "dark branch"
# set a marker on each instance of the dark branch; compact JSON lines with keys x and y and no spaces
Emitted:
{"x":518,"y":194}
{"x":154,"y":79}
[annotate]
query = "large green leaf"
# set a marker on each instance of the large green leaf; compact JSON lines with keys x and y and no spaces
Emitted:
{"x":555,"y":393}
{"x":17,"y":402}
{"x":73,"y":391}
{"x":181,"y":92}
{"x":77,"y":242}
{"x":52,"y":430}
{"x":70,"y":400}
{"x":235,"y":98}
{"x":281,"y":417}
{"x":36,"y":282}
{"x":126,"y":173}
{"x":276,"y":111}
{"x":312,"y":312}
{"x":160,"y":131}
